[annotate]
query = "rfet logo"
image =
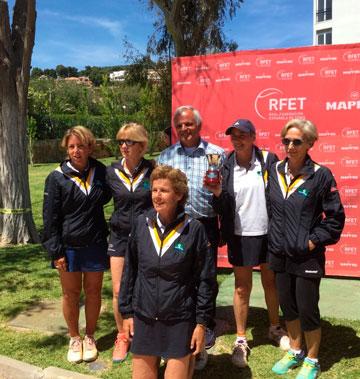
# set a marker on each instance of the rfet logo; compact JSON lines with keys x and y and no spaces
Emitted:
{"x":351,"y":221}
{"x":242,"y":77}
{"x":185,"y":69}
{"x":221,"y":136}
{"x":347,"y":191}
{"x":306,"y":59}
{"x":327,"y":148}
{"x":348,"y":249}
{"x":284,"y":75}
{"x":203,"y":80}
{"x":350,"y":133}
{"x":271,"y":103}
{"x":350,"y":162}
{"x":350,"y":56}
{"x":263,"y":134}
{"x":327,"y":72}
{"x":223,"y":66}
{"x":263,"y":62}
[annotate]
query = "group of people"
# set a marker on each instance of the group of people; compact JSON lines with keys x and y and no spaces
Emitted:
{"x":167,"y":224}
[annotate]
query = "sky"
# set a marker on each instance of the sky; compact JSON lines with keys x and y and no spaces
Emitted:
{"x":83,"y":33}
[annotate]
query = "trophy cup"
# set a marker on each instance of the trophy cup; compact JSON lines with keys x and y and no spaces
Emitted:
{"x":212,"y":176}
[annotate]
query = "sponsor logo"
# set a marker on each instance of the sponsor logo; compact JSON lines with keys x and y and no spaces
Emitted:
{"x":327,"y":134}
{"x":271,"y":104}
{"x":351,"y":72}
{"x":279,"y":147}
{"x":242,"y":77}
{"x":350,"y":147}
{"x":284,"y":75}
{"x":348,"y":264}
{"x":328,"y":58}
{"x":348,"y":249}
{"x":347,"y":191}
{"x":285,"y":61}
{"x":330,"y":249}
{"x":327,"y":148}
{"x":306,"y":59}
{"x":350,"y":133}
{"x":263,"y":76}
{"x":203,"y":67}
{"x":342,"y":105}
{"x":221,"y":136}
{"x":222,"y":80}
{"x":263,"y":62}
{"x":354,"y":95}
{"x":242,"y":63}
{"x":349,"y":177}
{"x":183,"y":83}
{"x":326,"y":72}
{"x":264,"y":134}
{"x":305,"y":74}
{"x":351,"y":221}
{"x":327,"y":163}
{"x":223,"y":66}
{"x":203,"y":80}
{"x":350,"y":162}
{"x":350,"y":56}
{"x":349,"y":235}
{"x":330,"y":263}
{"x":185,"y":69}
{"x":350,"y":206}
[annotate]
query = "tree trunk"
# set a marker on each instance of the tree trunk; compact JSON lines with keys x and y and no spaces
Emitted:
{"x":16,"y":44}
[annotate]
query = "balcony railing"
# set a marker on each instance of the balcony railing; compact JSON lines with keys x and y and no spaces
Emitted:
{"x":324,"y":14}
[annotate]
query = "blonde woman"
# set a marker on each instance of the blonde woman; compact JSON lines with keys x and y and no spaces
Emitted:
{"x":130,"y":187}
{"x":75,"y":233}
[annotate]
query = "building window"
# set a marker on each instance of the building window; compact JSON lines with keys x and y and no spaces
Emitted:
{"x":324,"y":10}
{"x":324,"y":37}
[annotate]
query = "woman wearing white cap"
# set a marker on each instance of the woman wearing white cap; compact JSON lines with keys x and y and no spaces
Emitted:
{"x":240,"y":200}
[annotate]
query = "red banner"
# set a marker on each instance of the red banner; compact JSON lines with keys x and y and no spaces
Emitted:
{"x":269,"y":87}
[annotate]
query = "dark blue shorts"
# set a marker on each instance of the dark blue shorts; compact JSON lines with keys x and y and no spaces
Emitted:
{"x":87,"y":259}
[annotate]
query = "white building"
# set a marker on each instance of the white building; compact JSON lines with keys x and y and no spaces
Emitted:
{"x":336,"y":21}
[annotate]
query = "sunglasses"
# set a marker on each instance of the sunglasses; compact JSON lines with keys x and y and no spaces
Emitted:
{"x":127,"y":142}
{"x":295,"y":141}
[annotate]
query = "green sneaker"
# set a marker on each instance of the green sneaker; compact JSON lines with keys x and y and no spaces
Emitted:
{"x":287,"y":362}
{"x":309,"y":370}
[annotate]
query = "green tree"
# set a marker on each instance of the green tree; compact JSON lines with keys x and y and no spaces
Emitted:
{"x":36,"y":72}
{"x":192,"y":27}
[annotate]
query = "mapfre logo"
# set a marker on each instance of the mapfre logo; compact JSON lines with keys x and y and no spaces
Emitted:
{"x":350,"y":133}
{"x":223,"y":66}
{"x":327,"y":148}
{"x":348,"y":249}
{"x":350,"y":162}
{"x":220,"y":136}
{"x":326,"y":72}
{"x":284,"y":75}
{"x":242,"y":77}
{"x":271,"y":104}
{"x":306,"y":59}
{"x":350,"y":56}
{"x":347,"y":191}
{"x":263,"y":62}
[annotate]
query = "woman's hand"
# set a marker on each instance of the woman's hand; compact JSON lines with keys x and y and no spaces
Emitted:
{"x":311,"y":245}
{"x":60,"y":264}
{"x":128,"y":327}
{"x":198,"y":339}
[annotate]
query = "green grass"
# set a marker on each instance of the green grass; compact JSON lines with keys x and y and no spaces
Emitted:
{"x":26,"y":279}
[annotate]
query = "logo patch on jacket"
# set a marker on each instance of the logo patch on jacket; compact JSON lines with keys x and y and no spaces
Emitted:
{"x":303,"y":191}
{"x":179,"y":247}
{"x":146,"y":184}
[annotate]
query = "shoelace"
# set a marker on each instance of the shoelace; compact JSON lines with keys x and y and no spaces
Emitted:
{"x":90,"y":342}
{"x":75,"y":344}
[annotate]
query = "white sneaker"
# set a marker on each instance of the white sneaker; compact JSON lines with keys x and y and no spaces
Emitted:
{"x":90,"y":352}
{"x":240,"y":354}
{"x":280,"y":337}
{"x":201,"y":360}
{"x":75,"y":354}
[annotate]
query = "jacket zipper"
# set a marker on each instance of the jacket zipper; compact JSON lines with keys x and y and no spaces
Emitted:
{"x":157,"y":278}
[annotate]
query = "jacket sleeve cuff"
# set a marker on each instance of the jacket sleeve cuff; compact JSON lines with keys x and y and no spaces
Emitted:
{"x":315,"y":239}
{"x":127,"y":315}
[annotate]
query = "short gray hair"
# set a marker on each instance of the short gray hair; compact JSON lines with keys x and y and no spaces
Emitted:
{"x":197,"y":116}
{"x":305,"y":126}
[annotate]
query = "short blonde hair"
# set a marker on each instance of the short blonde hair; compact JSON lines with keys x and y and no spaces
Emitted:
{"x":84,"y":134}
{"x":305,"y":126}
{"x":135,"y":132}
{"x":176,"y":177}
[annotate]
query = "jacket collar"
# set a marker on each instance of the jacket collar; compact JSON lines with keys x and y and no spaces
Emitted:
{"x":180,"y":216}
{"x":230,"y":159}
{"x":143,"y":163}
{"x":67,"y":170}
{"x":307,"y":170}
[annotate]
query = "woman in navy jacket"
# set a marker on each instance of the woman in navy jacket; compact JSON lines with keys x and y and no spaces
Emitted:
{"x":306,"y":215}
{"x":130,"y":187}
{"x":169,"y":284}
{"x":75,"y":233}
